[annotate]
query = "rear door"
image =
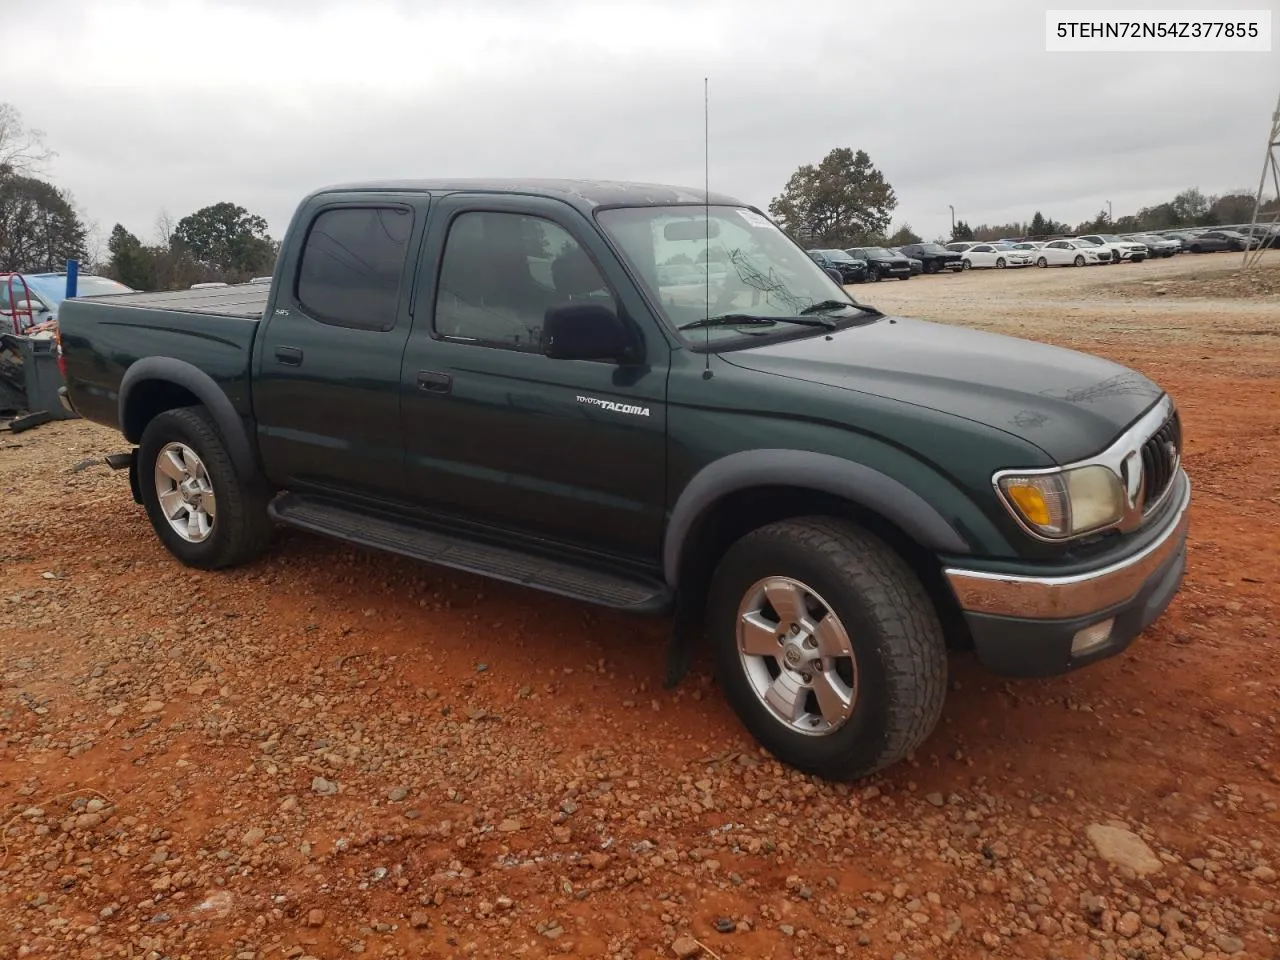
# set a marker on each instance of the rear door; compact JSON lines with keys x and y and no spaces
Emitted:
{"x":569,"y":450}
{"x":327,"y":381}
{"x":983,"y":255}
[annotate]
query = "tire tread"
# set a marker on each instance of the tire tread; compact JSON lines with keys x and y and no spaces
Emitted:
{"x":913,"y":655}
{"x":242,"y":503}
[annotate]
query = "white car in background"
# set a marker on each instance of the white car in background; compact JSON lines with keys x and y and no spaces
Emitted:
{"x":1106,"y":253}
{"x":1071,"y":253}
{"x":998,"y":255}
{"x":1121,"y":248}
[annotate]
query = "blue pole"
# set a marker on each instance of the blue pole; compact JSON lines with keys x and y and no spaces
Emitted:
{"x":73,"y":274}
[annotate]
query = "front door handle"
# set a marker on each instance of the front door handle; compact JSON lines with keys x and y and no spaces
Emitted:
{"x":433,"y":382}
{"x":289,"y":355}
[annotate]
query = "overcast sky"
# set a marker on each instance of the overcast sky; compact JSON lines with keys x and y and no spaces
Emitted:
{"x":175,"y":104}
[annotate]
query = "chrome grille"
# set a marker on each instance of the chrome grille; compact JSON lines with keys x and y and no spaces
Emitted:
{"x":1160,"y":458}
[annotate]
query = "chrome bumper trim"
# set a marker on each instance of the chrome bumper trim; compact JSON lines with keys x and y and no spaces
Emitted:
{"x":1061,"y":598}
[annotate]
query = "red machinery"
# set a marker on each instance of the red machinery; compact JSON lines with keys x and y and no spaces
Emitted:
{"x":14,"y":282}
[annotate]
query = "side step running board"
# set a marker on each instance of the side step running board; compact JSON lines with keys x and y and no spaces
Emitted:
{"x":567,"y":579}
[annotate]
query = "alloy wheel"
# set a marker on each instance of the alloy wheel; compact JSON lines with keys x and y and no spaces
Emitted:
{"x":797,"y":656}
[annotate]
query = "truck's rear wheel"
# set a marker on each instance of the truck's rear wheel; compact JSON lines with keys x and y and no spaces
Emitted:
{"x":828,"y":647}
{"x":203,"y":512}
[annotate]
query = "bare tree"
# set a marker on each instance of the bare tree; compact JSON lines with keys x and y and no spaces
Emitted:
{"x":22,"y":148}
{"x":165,"y":225}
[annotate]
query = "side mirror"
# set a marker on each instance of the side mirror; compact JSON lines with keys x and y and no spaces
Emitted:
{"x":587,"y":331}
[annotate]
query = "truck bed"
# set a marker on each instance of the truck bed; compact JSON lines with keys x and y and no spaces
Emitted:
{"x":212,"y":330}
{"x":240,"y":300}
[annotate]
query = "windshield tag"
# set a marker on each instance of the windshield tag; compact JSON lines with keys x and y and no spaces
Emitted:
{"x":754,"y":219}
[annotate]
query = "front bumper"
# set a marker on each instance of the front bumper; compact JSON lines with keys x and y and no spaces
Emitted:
{"x":1029,"y":625}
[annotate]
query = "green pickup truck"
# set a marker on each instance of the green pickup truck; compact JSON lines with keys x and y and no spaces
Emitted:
{"x":513,"y":378}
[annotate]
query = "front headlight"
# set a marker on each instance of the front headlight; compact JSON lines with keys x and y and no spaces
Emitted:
{"x":1066,"y":503}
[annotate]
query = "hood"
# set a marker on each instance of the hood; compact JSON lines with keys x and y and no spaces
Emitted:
{"x":1069,"y":404}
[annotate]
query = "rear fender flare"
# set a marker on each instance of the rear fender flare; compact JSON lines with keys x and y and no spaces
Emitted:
{"x":862,"y":485}
{"x":192,"y":378}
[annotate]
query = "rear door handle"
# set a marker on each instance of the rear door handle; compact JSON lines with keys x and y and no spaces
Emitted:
{"x":433,"y":382}
{"x":289,"y":355}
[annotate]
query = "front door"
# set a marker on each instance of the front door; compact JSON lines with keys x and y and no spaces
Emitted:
{"x":327,"y":386}
{"x":569,"y":450}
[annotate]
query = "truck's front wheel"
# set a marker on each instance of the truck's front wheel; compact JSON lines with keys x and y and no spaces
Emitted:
{"x":828,"y":647}
{"x":207,"y":515}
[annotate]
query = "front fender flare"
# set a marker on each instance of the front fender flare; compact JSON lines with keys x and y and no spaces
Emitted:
{"x":205,"y":388}
{"x":821,"y":472}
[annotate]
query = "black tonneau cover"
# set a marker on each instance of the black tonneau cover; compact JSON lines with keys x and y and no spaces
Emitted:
{"x":239,"y":300}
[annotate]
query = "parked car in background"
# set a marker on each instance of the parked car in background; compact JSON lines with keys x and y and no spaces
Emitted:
{"x":851,"y":269}
{"x":934,"y":256}
{"x":1200,"y":243}
{"x":1121,"y":249}
{"x":1106,"y":253}
{"x":1156,"y":246}
{"x":47,"y":291}
{"x":1234,"y":239}
{"x":1186,"y":238}
{"x":1071,"y":253}
{"x":882,"y":263}
{"x":917,"y":265}
{"x":998,"y":255}
{"x":1268,"y":234}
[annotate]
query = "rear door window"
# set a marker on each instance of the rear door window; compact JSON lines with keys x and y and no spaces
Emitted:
{"x":352,"y":266}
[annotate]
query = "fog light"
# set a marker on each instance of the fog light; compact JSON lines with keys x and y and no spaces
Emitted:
{"x":1091,"y":637}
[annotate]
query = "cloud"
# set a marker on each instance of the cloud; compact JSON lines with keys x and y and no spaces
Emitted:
{"x":173,"y":104}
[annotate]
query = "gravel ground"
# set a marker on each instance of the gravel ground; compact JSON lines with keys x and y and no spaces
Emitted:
{"x":334,"y":753}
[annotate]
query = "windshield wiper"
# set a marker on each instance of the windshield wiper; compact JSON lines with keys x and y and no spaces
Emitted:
{"x":756,"y":320}
{"x":823,"y":305}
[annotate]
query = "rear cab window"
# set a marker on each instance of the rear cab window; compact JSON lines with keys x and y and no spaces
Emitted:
{"x":352,"y":265}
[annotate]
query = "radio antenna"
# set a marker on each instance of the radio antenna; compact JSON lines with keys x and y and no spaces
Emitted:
{"x":706,"y":219}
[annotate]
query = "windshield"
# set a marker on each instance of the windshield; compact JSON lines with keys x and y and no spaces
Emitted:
{"x":754,"y":268}
{"x":929,"y":248}
{"x":878,"y":252}
{"x":53,"y":289}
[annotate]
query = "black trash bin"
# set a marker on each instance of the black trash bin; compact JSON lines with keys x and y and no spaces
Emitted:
{"x":40,"y":374}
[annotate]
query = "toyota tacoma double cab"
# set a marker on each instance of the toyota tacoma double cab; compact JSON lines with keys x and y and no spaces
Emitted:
{"x":501,"y":377}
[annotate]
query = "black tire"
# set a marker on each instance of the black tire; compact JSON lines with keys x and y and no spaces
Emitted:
{"x":1000,"y":264}
{"x":892,"y":625}
{"x":1079,"y":260}
{"x":873,"y":274}
{"x":241,"y":528}
{"x":1042,"y":263}
{"x":907,"y":277}
{"x":965,"y":265}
